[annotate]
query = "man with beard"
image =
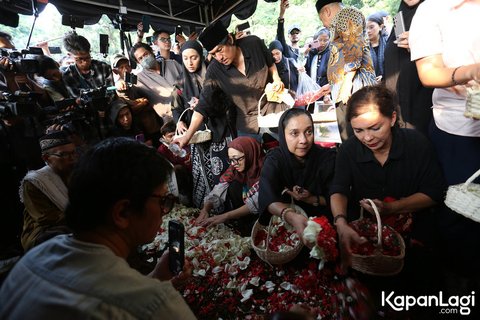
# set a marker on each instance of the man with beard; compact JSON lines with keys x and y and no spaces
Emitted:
{"x":294,"y":31}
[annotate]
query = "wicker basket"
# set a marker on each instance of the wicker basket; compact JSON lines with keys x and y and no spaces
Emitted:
{"x":272,"y":257}
{"x":379,"y":264}
{"x":464,"y":198}
{"x":199,"y":136}
{"x":472,"y":107}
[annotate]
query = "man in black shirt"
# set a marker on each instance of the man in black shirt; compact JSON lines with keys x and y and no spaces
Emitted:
{"x":241,"y":69}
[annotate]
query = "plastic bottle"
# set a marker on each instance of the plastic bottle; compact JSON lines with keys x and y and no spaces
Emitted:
{"x":176,"y":150}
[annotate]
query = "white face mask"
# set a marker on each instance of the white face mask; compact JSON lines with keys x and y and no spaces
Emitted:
{"x":148,"y":62}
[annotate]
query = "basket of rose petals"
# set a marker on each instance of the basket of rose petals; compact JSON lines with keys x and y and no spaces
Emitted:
{"x":278,"y":243}
{"x":383,"y":252}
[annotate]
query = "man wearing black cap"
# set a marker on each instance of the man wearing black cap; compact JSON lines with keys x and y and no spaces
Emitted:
{"x":44,"y":191}
{"x":352,"y":67}
{"x":294,"y":31}
{"x":241,"y":69}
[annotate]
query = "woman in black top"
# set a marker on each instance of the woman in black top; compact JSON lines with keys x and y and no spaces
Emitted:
{"x":395,"y":167}
{"x":377,"y":44}
{"x":286,"y":68}
{"x":401,"y":75}
{"x":296,"y":169}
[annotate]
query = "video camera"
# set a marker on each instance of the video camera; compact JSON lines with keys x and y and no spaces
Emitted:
{"x":18,"y":61}
{"x":130,"y":78}
{"x":97,"y":98}
{"x":21,"y":103}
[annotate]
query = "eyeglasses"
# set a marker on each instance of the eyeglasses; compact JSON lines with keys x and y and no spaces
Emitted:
{"x":235,"y":160}
{"x":164,"y":40}
{"x":63,"y":154}
{"x":166,"y":202}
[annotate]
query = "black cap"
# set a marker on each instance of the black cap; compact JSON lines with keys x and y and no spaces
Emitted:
{"x":213,"y":35}
{"x":322,"y":3}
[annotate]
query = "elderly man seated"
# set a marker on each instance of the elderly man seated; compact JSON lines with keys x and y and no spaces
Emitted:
{"x":44,"y":191}
{"x":118,"y":196}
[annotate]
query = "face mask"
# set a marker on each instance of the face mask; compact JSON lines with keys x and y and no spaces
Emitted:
{"x":148,"y":62}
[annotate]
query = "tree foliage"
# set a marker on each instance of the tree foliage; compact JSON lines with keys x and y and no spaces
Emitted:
{"x":263,"y":22}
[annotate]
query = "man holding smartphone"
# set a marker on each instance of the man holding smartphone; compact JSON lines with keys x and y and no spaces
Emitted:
{"x":117,"y":198}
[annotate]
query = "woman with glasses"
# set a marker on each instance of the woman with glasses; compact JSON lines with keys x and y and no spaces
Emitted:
{"x":236,"y":196}
{"x":209,"y":159}
{"x":297,"y":169}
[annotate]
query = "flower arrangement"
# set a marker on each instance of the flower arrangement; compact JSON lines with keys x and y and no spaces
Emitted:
{"x":231,"y":283}
{"x":368,"y":229}
{"x":322,"y":238}
{"x":283,"y":236}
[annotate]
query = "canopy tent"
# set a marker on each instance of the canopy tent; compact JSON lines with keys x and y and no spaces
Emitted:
{"x":164,"y":14}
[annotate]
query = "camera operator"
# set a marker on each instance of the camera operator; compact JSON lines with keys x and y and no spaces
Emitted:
{"x":89,"y":80}
{"x":51,"y":78}
{"x":86,"y":73}
{"x":14,"y":71}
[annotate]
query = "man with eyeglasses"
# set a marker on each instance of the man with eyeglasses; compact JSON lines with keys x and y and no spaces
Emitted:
{"x":44,"y":191}
{"x":117,"y":200}
{"x":163,"y":41}
{"x":85,"y":73}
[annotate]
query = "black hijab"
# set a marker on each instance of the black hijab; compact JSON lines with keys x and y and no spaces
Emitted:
{"x":401,"y":77}
{"x":193,"y":81}
{"x":283,"y":170}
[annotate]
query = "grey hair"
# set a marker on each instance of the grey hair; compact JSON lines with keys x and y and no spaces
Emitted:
{"x":320,"y":32}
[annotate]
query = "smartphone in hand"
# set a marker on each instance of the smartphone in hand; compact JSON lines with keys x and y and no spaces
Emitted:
{"x":146,"y":23}
{"x":243,"y":26}
{"x":398,"y":24}
{"x":176,"y":246}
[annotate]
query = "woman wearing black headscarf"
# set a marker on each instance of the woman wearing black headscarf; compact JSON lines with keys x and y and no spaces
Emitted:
{"x":377,"y":44}
{"x":296,"y":169}
{"x":286,"y":68}
{"x":401,"y":75}
{"x":209,"y":159}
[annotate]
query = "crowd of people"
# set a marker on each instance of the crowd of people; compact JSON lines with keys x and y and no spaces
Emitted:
{"x":87,"y":181}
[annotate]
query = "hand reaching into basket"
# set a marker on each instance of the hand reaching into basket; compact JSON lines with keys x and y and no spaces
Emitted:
{"x":348,"y":239}
{"x":383,"y":207}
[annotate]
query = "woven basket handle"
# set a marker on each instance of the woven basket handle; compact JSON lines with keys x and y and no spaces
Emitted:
{"x":470,"y":180}
{"x":260,"y":102}
{"x":379,"y":221}
{"x":181,"y":115}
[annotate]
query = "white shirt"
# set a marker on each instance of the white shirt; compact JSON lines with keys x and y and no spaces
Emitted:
{"x":65,"y":278}
{"x":450,"y":28}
